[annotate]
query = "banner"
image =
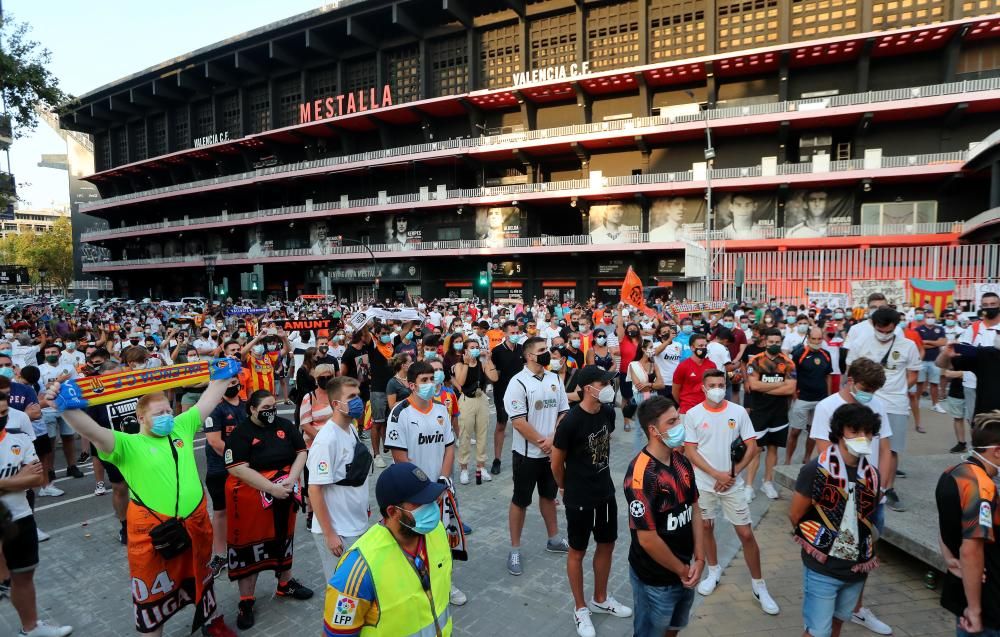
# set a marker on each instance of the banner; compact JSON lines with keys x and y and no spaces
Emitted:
{"x":746,"y":215}
{"x":244,"y":311}
{"x":359,"y":319}
{"x":402,"y":232}
{"x":632,"y":292}
{"x":940,"y":294}
{"x":894,"y":291}
{"x":294,"y":325}
{"x":676,"y":218}
{"x":983,"y":288}
{"x":810,"y":214}
{"x":98,"y":390}
{"x":678,"y":309}
{"x":615,"y":222}
{"x":496,"y":223}
{"x":831,"y":300}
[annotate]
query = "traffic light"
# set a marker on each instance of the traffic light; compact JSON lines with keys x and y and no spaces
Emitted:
{"x":483,"y":279}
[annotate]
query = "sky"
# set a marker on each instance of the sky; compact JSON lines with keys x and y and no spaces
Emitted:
{"x":94,"y":43}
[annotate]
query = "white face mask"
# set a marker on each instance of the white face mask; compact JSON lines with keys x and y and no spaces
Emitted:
{"x":884,"y":338}
{"x":555,"y":365}
{"x":975,"y":453}
{"x":859,"y":446}
{"x":716,"y":394}
{"x":607,"y":394}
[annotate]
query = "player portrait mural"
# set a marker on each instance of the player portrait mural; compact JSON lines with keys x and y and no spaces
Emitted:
{"x":810,"y":214}
{"x":676,"y":218}
{"x":615,"y":222}
{"x":746,"y":215}
{"x":496,"y":223}
{"x":402,"y":231}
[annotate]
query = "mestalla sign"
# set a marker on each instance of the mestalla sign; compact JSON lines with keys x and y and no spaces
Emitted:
{"x":345,"y":104}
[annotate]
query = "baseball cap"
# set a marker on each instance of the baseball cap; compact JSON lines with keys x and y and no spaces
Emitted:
{"x":405,"y":482}
{"x":594,"y":374}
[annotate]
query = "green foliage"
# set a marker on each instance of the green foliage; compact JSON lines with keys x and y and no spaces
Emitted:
{"x":26,"y":80}
{"x":49,"y":251}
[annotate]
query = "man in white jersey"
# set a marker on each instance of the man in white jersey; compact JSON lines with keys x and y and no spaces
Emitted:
{"x":666,"y":355}
{"x":419,"y":431}
{"x":982,"y":333}
{"x":535,"y":402}
{"x":711,"y":428}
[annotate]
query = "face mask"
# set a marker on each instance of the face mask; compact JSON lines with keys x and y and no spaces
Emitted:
{"x":673,"y":437}
{"x":697,"y":321}
{"x":607,"y":394}
{"x":70,"y":347}
{"x":474,"y":353}
{"x":243,"y":334}
{"x":163,"y":425}
{"x":930,"y":320}
{"x":458,"y":346}
{"x":425,"y":519}
{"x":949,"y":322}
{"x":556,"y":365}
{"x":267,"y":415}
{"x":543,"y":359}
{"x":991,"y":312}
{"x":429,"y":356}
{"x":514,"y":339}
{"x":323,"y":381}
{"x":426,"y":390}
{"x":193,"y":359}
{"x":838,"y":316}
{"x":687,"y":329}
{"x":716,"y":394}
{"x":918,"y":317}
{"x":258,"y":349}
{"x":6,"y":352}
{"x":495,"y":325}
{"x":385,"y":339}
{"x":8,"y":335}
{"x":862,"y":397}
{"x":409,"y":336}
{"x":438,"y":376}
{"x":7,"y":372}
{"x":355,"y":407}
{"x":801,"y":329}
{"x":728,"y":325}
{"x":52,"y":360}
{"x":575,"y":342}
{"x":859,"y":446}
{"x":814,"y":346}
{"x":600,"y":340}
{"x":774,"y":350}
{"x":884,"y":338}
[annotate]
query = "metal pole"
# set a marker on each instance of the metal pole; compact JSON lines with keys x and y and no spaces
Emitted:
{"x":709,"y":156}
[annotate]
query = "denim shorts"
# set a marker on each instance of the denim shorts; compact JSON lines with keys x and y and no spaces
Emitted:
{"x":659,"y":608}
{"x":825,"y":598}
{"x":56,"y":425}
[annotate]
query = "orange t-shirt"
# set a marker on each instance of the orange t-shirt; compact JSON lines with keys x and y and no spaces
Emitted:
{"x":915,"y":337}
{"x":256,"y":374}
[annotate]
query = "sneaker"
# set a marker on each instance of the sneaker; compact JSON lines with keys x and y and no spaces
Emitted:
{"x":473,"y":441}
{"x":610,"y":606}
{"x":495,"y":467}
{"x":892,"y":500}
{"x":866,"y":618}
{"x":938,"y":408}
{"x":751,"y":494}
{"x":99,"y":488}
{"x":466,"y":529}
{"x":42,"y":629}
{"x":74,"y":471}
{"x":767,"y":604}
{"x":769,"y":490}
{"x":379,"y":462}
{"x":42,"y":535}
{"x":457,"y":598}
{"x":217,"y":564}
{"x":900,"y":474}
{"x":707,"y":586}
{"x":514,"y":563}
{"x":463,"y":477}
{"x":486,"y":475}
{"x":294,"y":590}
{"x":244,"y":617}
{"x":584,"y":627}
{"x":4,"y":589}
{"x":217,"y":628}
{"x":84,"y":457}
{"x":123,"y":535}
{"x":364,"y":435}
{"x":557,"y":546}
{"x":50,"y":491}
{"x":958,"y":448}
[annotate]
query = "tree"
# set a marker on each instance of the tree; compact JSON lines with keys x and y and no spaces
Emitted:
{"x":51,"y":251}
{"x":25,"y":82}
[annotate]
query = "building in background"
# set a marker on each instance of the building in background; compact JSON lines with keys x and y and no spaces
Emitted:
{"x":33,"y":220}
{"x":560,"y":142}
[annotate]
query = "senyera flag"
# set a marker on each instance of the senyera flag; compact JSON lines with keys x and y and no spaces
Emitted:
{"x":632,"y":292}
{"x":941,"y":294}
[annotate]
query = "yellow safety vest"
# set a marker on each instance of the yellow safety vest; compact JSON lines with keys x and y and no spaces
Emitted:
{"x":404,"y":608}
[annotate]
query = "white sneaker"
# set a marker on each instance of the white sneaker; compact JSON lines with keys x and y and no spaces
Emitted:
{"x":379,"y":462}
{"x":458,"y":598}
{"x":42,"y":535}
{"x":938,"y":408}
{"x":767,"y":604}
{"x":50,"y":491}
{"x":610,"y":606}
{"x":769,"y":490}
{"x":707,"y":586}
{"x":866,"y":618}
{"x":99,"y":488}
{"x":751,"y":494}
{"x":464,"y":476}
{"x":44,"y":630}
{"x":484,"y":473}
{"x":472,"y":441}
{"x":584,"y":627}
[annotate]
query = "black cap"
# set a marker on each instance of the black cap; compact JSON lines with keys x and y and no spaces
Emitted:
{"x":594,"y":374}
{"x":405,"y":482}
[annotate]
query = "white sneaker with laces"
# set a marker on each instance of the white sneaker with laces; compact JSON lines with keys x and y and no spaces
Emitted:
{"x":767,"y":604}
{"x":610,"y":606}
{"x":50,"y":491}
{"x":938,"y":408}
{"x":751,"y":494}
{"x":584,"y":627}
{"x":379,"y":462}
{"x":42,"y":535}
{"x":769,"y":490}
{"x":99,"y":488}
{"x":485,"y":474}
{"x":866,"y":618}
{"x":457,"y":598}
{"x":463,"y":477}
{"x":707,"y":586}
{"x":42,"y":629}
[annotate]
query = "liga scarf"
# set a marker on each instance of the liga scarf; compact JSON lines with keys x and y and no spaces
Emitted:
{"x":402,"y":314}
{"x":839,"y":522}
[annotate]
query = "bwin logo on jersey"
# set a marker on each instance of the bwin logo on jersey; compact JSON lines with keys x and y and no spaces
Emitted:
{"x":675,"y":522}
{"x":429,"y":439}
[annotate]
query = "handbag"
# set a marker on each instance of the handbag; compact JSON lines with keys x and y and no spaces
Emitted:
{"x":170,"y":537}
{"x":737,"y":450}
{"x":360,"y":466}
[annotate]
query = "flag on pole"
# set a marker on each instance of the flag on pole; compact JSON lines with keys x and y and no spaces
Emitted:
{"x":632,"y":292}
{"x":939,"y":293}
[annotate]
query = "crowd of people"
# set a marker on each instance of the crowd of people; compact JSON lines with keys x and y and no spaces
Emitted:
{"x":706,"y":393}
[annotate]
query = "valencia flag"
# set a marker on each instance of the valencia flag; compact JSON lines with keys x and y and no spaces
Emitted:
{"x":632,"y":292}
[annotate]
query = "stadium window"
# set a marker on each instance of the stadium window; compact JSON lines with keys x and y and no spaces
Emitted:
{"x":258,"y":109}
{"x":229,"y":114}
{"x":202,"y":120}
{"x":137,"y":137}
{"x":402,"y":72}
{"x":158,"y":135}
{"x":323,"y":82}
{"x":289,"y":95}
{"x":677,"y":29}
{"x":553,"y":40}
{"x":182,"y":129}
{"x":499,"y":56}
{"x":449,"y":62}
{"x":613,"y":36}
{"x":359,"y":75}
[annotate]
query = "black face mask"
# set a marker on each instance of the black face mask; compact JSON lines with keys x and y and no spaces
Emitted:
{"x":544,"y":359}
{"x":633,"y":334}
{"x":232,"y":391}
{"x":991,"y":312}
{"x":700,"y":352}
{"x":322,"y":381}
{"x":267,"y":415}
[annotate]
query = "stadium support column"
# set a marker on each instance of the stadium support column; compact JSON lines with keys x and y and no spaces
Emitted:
{"x":995,"y":185}
{"x":529,"y":111}
{"x":864,"y":61}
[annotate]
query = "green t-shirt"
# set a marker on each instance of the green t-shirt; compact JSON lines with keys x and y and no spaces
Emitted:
{"x":148,"y":466}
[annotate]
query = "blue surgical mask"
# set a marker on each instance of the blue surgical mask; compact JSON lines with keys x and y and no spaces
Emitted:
{"x":7,"y":372}
{"x":8,"y":352}
{"x":673,"y":437}
{"x":438,"y":377}
{"x":949,"y":322}
{"x":426,"y":390}
{"x":838,"y":315}
{"x":575,"y":342}
{"x":409,"y":336}
{"x":728,"y":324}
{"x":162,"y":425}
{"x":601,"y":340}
{"x":918,"y":317}
{"x":385,"y":339}
{"x":474,"y":353}
{"x":355,"y":407}
{"x":458,"y":346}
{"x":425,"y":518}
{"x":429,"y":356}
{"x":687,"y":329}
{"x":258,"y":349}
{"x":863,"y":397}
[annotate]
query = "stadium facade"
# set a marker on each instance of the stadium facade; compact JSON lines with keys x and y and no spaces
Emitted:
{"x":787,"y":145}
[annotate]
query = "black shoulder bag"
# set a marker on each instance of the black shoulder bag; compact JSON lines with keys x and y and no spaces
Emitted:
{"x":170,"y":537}
{"x":360,"y":466}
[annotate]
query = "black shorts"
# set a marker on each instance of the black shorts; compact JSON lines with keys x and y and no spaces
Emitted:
{"x":529,"y":472}
{"x":43,"y":445}
{"x":20,"y":549}
{"x":112,"y":473}
{"x":600,"y":520}
{"x":216,"y":485}
{"x":771,"y":428}
{"x":498,"y":402}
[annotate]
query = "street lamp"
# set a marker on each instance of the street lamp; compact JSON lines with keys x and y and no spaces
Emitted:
{"x":709,"y":157}
{"x":210,"y":260}
{"x":375,"y":271}
{"x":41,"y":279}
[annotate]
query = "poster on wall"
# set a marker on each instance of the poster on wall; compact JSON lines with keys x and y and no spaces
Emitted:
{"x":257,"y":242}
{"x":318,"y":232}
{"x":810,"y":214}
{"x":894,"y":291}
{"x":828,"y":299}
{"x":402,"y":231}
{"x":983,"y":288}
{"x":496,"y":223}
{"x":676,"y":218}
{"x":615,"y":222}
{"x":746,"y":215}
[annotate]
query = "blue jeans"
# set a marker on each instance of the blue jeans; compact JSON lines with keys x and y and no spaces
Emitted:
{"x":659,"y":608}
{"x":825,"y":598}
{"x":986,"y":632}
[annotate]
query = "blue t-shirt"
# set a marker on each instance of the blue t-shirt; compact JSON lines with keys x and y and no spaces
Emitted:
{"x":812,"y":369}
{"x":223,"y":419}
{"x":930,"y":333}
{"x":684,"y":340}
{"x":21,"y":396}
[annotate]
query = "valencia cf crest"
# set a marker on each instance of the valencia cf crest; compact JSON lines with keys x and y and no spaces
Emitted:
{"x":732,"y":423}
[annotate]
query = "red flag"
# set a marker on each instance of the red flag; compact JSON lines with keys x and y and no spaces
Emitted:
{"x":632,"y":292}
